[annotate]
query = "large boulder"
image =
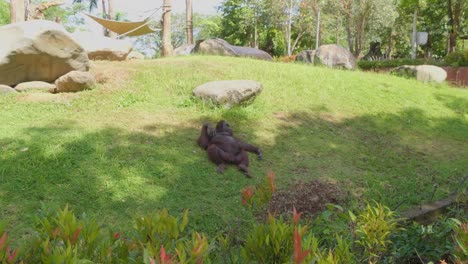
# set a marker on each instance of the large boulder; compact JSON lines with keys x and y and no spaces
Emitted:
{"x":229,"y":93}
{"x":423,"y":73}
{"x":306,"y":56}
{"x":4,"y":89}
{"x":183,"y":50}
{"x":216,"y":46}
{"x":74,"y":81}
{"x":135,"y":55}
{"x":103,"y":48}
{"x":334,"y":56}
{"x":34,"y":86}
{"x":38,"y":50}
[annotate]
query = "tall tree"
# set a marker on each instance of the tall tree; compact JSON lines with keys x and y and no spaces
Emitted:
{"x":111,"y":16}
{"x":17,"y":11}
{"x":167,"y":48}
{"x":454,"y":12}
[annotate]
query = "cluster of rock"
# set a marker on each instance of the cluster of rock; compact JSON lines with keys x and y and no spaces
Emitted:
{"x":35,"y":54}
{"x":220,"y":47}
{"x":336,"y":56}
{"x":41,"y":55}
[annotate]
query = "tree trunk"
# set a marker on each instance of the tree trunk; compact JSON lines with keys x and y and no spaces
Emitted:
{"x":317,"y":34}
{"x":337,"y":30}
{"x":188,"y":13}
{"x":288,"y":29}
{"x":166,"y":29}
{"x":454,"y":13}
{"x":17,"y":11}
{"x":104,"y":15}
{"x":27,"y":4}
{"x":414,"y":44}
{"x":111,"y":16}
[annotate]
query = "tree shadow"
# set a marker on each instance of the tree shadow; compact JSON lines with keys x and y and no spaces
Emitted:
{"x":117,"y":173}
{"x":400,"y":159}
{"x":458,"y":105}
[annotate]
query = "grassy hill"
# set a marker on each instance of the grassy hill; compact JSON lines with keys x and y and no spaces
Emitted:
{"x":129,"y":146}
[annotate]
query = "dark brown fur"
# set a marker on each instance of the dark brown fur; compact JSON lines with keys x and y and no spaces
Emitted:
{"x":223,"y":148}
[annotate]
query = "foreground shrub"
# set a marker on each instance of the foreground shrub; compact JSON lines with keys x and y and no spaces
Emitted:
{"x":336,"y":235}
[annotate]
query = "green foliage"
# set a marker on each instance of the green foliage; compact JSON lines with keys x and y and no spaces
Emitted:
{"x":434,"y":241}
{"x":270,"y":242}
{"x":376,"y":64}
{"x":61,"y":237}
{"x":373,"y":229}
{"x":4,"y":12}
{"x":457,"y":59}
{"x":260,"y":195}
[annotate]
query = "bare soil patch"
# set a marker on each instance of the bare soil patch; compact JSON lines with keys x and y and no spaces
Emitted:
{"x":309,"y":198}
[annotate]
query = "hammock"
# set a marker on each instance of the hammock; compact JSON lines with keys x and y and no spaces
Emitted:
{"x":125,"y":28}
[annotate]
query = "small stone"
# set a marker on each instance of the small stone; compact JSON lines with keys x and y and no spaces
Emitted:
{"x":74,"y":81}
{"x":34,"y":86}
{"x":4,"y":89}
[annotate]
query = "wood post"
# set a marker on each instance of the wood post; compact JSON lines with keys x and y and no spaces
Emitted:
{"x":167,"y":48}
{"x":188,"y":12}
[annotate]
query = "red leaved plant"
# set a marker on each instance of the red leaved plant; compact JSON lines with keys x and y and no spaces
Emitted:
{"x":299,"y":254}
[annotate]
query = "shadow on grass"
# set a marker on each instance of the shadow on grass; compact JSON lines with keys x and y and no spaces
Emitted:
{"x":399,"y":159}
{"x":115,"y":173}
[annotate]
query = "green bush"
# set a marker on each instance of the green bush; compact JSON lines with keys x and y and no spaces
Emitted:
{"x":372,"y":65}
{"x":457,"y":59}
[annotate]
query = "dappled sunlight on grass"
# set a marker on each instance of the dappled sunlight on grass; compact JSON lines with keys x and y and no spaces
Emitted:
{"x":129,"y":146}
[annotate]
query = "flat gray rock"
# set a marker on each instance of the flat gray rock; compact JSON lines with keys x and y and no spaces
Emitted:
{"x":423,"y":73}
{"x":229,"y":93}
{"x":184,"y":50}
{"x":220,"y":47}
{"x":34,"y":86}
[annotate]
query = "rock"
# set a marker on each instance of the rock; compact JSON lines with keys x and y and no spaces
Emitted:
{"x":228,"y":93}
{"x":103,"y":48}
{"x":334,"y":56}
{"x":38,"y":86}
{"x":4,"y":89}
{"x":184,"y":50}
{"x":423,"y":73}
{"x":74,"y":81}
{"x":306,"y":56}
{"x":38,"y":50}
{"x":135,"y":55}
{"x":216,"y":46}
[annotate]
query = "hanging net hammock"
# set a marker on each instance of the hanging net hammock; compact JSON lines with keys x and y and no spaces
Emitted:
{"x":126,"y":28}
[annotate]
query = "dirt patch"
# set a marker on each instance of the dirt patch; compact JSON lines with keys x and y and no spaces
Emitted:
{"x":113,"y":75}
{"x":47,"y":98}
{"x":309,"y":198}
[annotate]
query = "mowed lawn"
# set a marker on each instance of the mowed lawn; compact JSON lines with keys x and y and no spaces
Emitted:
{"x":129,"y":147}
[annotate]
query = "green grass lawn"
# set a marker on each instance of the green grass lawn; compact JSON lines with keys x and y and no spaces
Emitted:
{"x":129,"y":146}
